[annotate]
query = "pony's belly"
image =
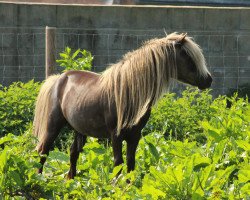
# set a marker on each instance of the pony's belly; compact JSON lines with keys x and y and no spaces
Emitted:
{"x":92,"y":131}
{"x":93,"y":126}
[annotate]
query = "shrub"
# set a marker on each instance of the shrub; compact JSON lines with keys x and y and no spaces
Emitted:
{"x":165,"y":169}
{"x":17,"y":103}
{"x":79,"y":60}
{"x":218,"y":169}
{"x":243,"y":91}
{"x":179,"y":117}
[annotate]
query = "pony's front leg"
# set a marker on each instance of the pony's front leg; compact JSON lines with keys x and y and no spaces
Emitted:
{"x":117,"y":149}
{"x":75,"y":149}
{"x":132,"y":143}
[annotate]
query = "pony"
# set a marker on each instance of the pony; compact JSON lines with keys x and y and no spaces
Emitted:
{"x":117,"y":103}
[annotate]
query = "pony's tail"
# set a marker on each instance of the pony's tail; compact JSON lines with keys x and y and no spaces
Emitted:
{"x":43,"y":106}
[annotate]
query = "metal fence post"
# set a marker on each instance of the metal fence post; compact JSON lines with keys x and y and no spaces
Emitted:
{"x":50,"y":51}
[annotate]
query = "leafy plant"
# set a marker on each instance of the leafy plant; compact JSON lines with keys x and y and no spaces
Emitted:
{"x":165,"y":168}
{"x":178,"y":117}
{"x":243,"y":91}
{"x":79,"y":60}
{"x":17,"y":103}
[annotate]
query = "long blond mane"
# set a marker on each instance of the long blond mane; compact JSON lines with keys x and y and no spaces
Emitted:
{"x":138,"y":80}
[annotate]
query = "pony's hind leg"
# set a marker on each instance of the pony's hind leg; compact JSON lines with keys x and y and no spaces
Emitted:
{"x":75,"y":149}
{"x":56,"y":122}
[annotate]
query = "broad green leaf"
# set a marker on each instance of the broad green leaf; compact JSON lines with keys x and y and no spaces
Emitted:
{"x":197,"y":196}
{"x":93,"y":174}
{"x":245,"y":190}
{"x":200,"y":162}
{"x":68,"y":50}
{"x":152,"y":191}
{"x":207,"y":173}
{"x":222,"y":176}
{"x":5,"y":139}
{"x":63,"y":55}
{"x":14,"y":175}
{"x":244,"y":176}
{"x":243,"y":144}
{"x":153,"y":151}
{"x":219,"y":149}
{"x":116,"y":170}
{"x":60,"y":156}
{"x":214,"y":134}
{"x":76,"y":53}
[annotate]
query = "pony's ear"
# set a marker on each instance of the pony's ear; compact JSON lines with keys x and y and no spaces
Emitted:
{"x":181,"y":39}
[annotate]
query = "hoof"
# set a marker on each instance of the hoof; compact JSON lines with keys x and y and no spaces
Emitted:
{"x":70,"y":176}
{"x":128,"y":181}
{"x":40,"y":171}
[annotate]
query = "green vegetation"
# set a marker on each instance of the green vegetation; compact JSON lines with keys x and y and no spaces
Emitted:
{"x":194,"y":148}
{"x":17,"y":107}
{"x":78,"y":60}
{"x":17,"y":102}
{"x":177,"y":117}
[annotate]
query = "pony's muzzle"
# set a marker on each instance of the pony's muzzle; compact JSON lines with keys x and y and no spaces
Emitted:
{"x":205,"y":82}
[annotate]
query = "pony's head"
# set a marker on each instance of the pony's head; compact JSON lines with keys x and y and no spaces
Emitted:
{"x":190,"y":62}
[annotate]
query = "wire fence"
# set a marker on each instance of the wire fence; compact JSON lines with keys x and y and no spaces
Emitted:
{"x":22,"y":55}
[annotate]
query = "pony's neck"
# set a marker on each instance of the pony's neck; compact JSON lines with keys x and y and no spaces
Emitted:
{"x":138,"y":80}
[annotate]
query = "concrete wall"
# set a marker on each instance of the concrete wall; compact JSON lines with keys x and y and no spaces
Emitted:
{"x":110,"y":31}
{"x":196,"y":2}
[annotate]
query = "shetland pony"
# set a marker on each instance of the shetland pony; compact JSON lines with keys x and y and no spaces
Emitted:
{"x":117,"y":103}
